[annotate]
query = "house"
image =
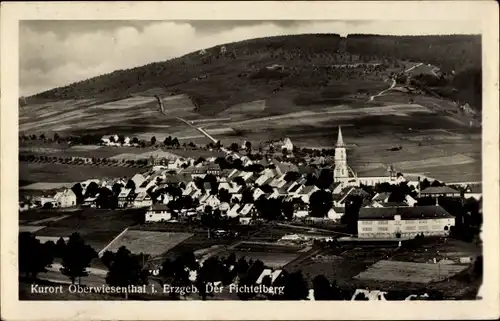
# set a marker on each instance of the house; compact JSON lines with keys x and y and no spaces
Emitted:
{"x":285,"y":167}
{"x":295,"y":188}
{"x":374,"y":204}
{"x":336,"y":213}
{"x":233,"y":211}
{"x":245,"y":220}
{"x":278,"y":182}
{"x":306,"y":192}
{"x":23,"y":206}
{"x":126,"y":197}
{"x":143,"y":200}
{"x":268,"y":272}
{"x":340,"y":199}
{"x":213,"y":169}
{"x":138,"y":179}
{"x":247,"y":209}
{"x":193,"y":193}
{"x":246,"y":161}
{"x":437,"y":191}
{"x":164,"y":198}
{"x":374,"y":295}
{"x":241,"y":210}
{"x":381,"y":197}
{"x":473,"y":191}
{"x":86,"y":183}
{"x":224,"y":207}
{"x":300,"y":210}
{"x":148,"y":183}
{"x":158,"y":213}
{"x":257,"y":192}
{"x":66,"y":198}
{"x":190,"y":187}
{"x":410,"y":200}
{"x":404,"y":222}
{"x":195,"y":171}
{"x":264,"y":177}
{"x":210,"y":200}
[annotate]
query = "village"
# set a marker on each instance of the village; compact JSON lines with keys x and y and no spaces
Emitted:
{"x":274,"y":211}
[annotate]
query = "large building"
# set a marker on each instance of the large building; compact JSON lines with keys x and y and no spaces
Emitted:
{"x":343,"y":173}
{"x":404,"y":222}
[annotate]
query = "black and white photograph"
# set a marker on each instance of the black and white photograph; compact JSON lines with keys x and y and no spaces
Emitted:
{"x":251,"y":160}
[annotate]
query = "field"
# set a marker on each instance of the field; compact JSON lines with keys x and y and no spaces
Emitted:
{"x":43,"y":173}
{"x":153,"y":243}
{"x":136,"y":156}
{"x":271,"y":254}
{"x":29,"y":228}
{"x":397,"y":271}
{"x":97,"y":227}
{"x":387,"y":267}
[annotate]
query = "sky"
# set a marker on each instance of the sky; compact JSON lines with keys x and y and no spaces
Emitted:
{"x":54,"y":53}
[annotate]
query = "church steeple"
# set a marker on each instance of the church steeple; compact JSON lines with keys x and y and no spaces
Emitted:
{"x":340,"y":141}
{"x":341,"y":170}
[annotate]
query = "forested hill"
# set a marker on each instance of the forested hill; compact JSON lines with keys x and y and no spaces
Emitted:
{"x":232,"y":75}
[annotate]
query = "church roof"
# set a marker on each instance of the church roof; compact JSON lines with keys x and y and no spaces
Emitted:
{"x":340,"y":140}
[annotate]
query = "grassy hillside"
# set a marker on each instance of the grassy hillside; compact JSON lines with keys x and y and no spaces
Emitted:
{"x":312,"y":71}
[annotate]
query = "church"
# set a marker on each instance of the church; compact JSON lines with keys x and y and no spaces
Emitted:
{"x":345,"y":175}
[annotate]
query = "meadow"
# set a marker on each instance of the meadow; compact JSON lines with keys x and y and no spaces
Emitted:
{"x":148,"y":242}
{"x":97,"y":227}
{"x":396,"y":271}
{"x":43,"y":173}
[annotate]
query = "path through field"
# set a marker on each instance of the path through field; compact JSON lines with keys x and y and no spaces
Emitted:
{"x":394,"y":82}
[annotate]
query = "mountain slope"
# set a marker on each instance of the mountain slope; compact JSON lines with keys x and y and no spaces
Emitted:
{"x":305,"y":74}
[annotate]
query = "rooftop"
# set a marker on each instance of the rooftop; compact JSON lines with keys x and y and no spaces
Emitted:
{"x":407,"y":213}
{"x":439,"y":190}
{"x":158,"y":207}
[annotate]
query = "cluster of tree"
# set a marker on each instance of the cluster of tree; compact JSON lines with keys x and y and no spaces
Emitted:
{"x":468,"y":215}
{"x":35,"y":257}
{"x":125,"y":268}
{"x":235,"y":147}
{"x":230,"y":163}
{"x":171,"y":142}
{"x":74,"y":160}
{"x":105,"y":198}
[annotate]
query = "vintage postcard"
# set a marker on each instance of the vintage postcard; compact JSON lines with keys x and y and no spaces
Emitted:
{"x":249,"y":160}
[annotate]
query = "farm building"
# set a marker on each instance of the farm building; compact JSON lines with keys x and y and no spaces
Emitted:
{"x":436,"y":191}
{"x":158,"y":213}
{"x":66,"y":198}
{"x":404,"y":222}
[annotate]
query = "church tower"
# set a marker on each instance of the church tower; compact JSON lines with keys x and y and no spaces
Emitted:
{"x":341,"y":171}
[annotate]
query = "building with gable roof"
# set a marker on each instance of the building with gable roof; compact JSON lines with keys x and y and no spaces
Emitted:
{"x":66,"y":198}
